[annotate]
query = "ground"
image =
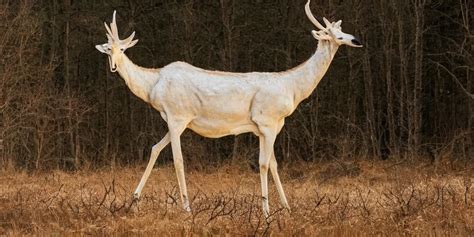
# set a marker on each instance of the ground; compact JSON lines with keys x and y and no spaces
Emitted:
{"x":327,"y":198}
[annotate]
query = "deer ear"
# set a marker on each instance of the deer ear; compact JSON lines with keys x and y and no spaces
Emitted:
{"x":338,"y":24}
{"x":100,"y":48}
{"x":320,"y":35}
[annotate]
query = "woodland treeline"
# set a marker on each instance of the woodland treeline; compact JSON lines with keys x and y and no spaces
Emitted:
{"x":408,"y":93}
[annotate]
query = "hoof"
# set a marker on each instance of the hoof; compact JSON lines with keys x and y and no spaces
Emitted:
{"x":134,"y":204}
{"x":266,"y":214}
{"x":136,"y":197}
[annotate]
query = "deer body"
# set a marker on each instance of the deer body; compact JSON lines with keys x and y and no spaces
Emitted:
{"x":216,"y":104}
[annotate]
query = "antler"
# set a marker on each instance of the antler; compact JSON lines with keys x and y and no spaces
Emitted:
{"x":311,"y":17}
{"x":112,"y":33}
{"x":110,"y":40}
{"x":112,"y":30}
{"x":129,"y":39}
{"x":327,"y":22}
{"x":109,"y":33}
{"x":113,"y":26}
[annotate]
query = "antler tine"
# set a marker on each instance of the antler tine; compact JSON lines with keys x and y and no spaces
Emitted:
{"x":327,"y":22}
{"x":113,"y":25}
{"x":108,"y":29}
{"x":109,"y":38}
{"x":129,"y":39}
{"x":311,"y":16}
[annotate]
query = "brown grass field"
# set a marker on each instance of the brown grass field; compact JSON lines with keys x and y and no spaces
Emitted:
{"x":346,"y":198}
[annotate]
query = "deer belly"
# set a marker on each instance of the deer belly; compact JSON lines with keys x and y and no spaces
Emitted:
{"x":219,"y":128}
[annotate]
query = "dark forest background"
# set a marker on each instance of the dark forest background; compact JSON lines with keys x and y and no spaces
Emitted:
{"x":407,"y":94}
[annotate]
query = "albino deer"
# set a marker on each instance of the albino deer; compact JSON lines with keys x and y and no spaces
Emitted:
{"x":216,"y":104}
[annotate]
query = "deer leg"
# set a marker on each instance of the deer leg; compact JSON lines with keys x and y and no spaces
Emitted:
{"x":176,"y":130}
{"x":276,"y":179}
{"x":266,"y":149}
{"x":155,"y":152}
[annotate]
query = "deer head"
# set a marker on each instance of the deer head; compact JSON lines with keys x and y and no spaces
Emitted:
{"x":115,"y":47}
{"x":332,"y":32}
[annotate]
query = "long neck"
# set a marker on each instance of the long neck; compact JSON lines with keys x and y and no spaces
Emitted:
{"x":307,"y":76}
{"x":140,"y":80}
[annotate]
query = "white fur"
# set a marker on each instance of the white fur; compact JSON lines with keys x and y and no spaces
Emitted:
{"x":216,"y":104}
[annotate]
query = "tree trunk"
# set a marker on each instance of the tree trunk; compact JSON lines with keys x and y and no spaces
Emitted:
{"x":415,"y":136}
{"x":67,"y":80}
{"x":387,"y":51}
{"x":369,"y":106}
{"x":399,"y":8}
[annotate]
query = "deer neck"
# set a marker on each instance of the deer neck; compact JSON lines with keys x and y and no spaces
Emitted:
{"x":140,"y":80}
{"x":310,"y":73}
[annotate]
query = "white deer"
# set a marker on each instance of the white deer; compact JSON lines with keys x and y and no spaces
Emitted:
{"x":216,"y":104}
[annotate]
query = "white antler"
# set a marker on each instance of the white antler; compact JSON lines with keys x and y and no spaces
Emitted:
{"x":311,"y":16}
{"x":128,"y":40}
{"x":327,"y":22}
{"x":108,"y":30}
{"x":112,"y":34}
{"x":112,"y":30}
{"x":113,"y":26}
{"x":109,"y":38}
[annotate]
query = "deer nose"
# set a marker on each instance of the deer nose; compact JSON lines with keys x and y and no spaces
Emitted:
{"x":356,"y":42}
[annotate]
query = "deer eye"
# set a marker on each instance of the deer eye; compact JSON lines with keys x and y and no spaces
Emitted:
{"x":340,"y":38}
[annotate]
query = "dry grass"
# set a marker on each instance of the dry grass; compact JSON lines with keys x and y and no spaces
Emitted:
{"x":345,"y":198}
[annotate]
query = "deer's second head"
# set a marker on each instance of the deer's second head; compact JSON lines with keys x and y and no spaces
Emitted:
{"x":332,"y":32}
{"x":115,"y":47}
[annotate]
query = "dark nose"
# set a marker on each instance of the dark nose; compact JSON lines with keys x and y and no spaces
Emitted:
{"x":356,"y":42}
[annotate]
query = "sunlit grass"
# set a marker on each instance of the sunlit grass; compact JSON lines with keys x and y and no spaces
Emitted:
{"x":345,"y":198}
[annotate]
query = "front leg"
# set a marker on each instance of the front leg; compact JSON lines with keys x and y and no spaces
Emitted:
{"x":155,"y":152}
{"x":176,"y":129}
